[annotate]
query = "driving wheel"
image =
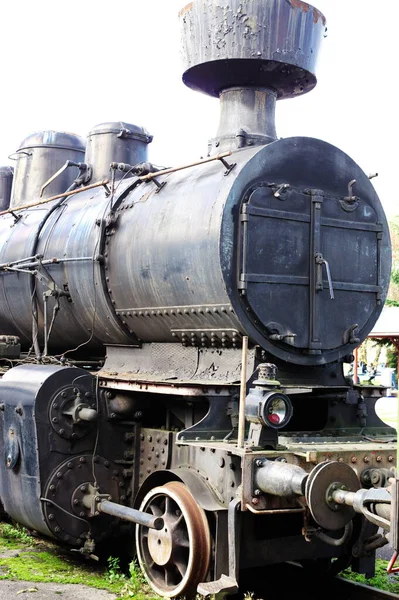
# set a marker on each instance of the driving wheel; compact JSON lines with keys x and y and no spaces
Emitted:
{"x":175,"y":559}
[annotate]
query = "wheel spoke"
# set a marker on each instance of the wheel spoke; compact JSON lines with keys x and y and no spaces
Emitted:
{"x":183,"y":542}
{"x":156,"y":510}
{"x":181,"y":567}
{"x":169,"y":579}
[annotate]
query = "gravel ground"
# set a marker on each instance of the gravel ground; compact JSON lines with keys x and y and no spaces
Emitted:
{"x":50,"y":591}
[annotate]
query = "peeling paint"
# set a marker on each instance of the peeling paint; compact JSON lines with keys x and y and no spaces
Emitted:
{"x":186,"y":9}
{"x":305,"y":7}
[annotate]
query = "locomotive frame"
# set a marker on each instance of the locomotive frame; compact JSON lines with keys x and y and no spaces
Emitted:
{"x":190,"y":377}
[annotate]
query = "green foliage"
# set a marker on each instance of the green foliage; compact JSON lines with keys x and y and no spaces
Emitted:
{"x":114,"y":572}
{"x":15,"y":533}
{"x":389,"y":302}
{"x":381,"y":580}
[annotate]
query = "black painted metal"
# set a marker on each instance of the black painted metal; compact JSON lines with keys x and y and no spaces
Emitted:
{"x":229,"y":43}
{"x":24,"y":439}
{"x":246,"y":260}
{"x":39,"y":156}
{"x":45,"y":473}
{"x":115,"y":141}
{"x":6,"y":177}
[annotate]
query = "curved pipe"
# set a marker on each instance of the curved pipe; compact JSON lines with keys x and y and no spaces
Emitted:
{"x":324,"y":537}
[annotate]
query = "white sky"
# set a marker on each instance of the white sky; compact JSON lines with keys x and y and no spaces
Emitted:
{"x":71,"y":65}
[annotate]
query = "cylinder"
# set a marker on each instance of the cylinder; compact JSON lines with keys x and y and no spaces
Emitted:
{"x":6,"y":177}
{"x":39,"y":156}
{"x":280,"y":479}
{"x":131,"y":514}
{"x":248,"y":43}
{"x":247,"y":117}
{"x":117,"y":142}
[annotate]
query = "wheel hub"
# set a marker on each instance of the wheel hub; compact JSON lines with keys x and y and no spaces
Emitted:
{"x":160,"y":545}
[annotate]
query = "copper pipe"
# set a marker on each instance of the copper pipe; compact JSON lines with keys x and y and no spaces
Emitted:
{"x":174,"y":169}
{"x":64,"y":195}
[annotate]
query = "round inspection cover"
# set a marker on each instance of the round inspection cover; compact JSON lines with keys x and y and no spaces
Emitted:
{"x":319,"y":480}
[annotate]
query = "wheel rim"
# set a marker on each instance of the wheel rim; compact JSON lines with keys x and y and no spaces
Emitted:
{"x":175,"y":559}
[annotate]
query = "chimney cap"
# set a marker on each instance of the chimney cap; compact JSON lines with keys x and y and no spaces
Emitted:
{"x":251,"y":43}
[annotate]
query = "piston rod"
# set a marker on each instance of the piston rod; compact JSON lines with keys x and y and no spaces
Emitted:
{"x":130,"y":514}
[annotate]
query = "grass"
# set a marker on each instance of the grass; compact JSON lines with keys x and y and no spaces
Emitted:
{"x":381,"y":580}
{"x":37,"y":560}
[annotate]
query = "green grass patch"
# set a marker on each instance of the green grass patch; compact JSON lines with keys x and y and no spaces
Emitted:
{"x":381,"y":580}
{"x":37,"y":560}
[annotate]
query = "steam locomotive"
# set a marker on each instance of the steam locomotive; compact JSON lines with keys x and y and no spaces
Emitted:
{"x":172,"y":341}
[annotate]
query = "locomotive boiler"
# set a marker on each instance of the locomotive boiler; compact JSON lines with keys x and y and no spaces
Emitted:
{"x":173,"y":340}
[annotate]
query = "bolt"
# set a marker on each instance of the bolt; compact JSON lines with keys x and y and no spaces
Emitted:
{"x":82,"y":514}
{"x":52,"y":488}
{"x":59,"y":475}
{"x":54,"y":420}
{"x":55,"y":405}
{"x":390,"y":458}
{"x":57,"y":529}
{"x":354,"y":459}
{"x":83,"y":489}
{"x":82,"y":459}
{"x":255,"y":501}
{"x":258,"y":463}
{"x":63,"y":395}
{"x":379,"y":458}
{"x":62,"y":431}
{"x":76,"y":502}
{"x":106,"y":463}
{"x":257,"y":492}
{"x":51,"y":517}
{"x":149,"y":438}
{"x":366,"y":459}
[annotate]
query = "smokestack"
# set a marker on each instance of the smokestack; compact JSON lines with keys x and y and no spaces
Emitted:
{"x":250,"y":53}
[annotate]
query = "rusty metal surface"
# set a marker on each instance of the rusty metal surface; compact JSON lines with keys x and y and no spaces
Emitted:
{"x":229,"y":43}
{"x":175,"y":364}
{"x":39,"y":156}
{"x":115,"y":141}
{"x":176,"y":558}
